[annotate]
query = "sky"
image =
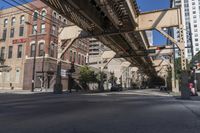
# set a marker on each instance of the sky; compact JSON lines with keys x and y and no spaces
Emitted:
{"x":144,"y":5}
{"x":4,"y":5}
{"x":150,"y":5}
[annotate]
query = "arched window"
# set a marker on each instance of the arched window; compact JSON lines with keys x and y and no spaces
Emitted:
{"x":65,"y":21}
{"x":22,"y":19}
{"x":5,"y":22}
{"x":60,"y":18}
{"x":54,"y":15}
{"x":35,"y":16}
{"x":44,"y":14}
{"x":32,"y":50}
{"x":41,"y":49}
{"x":13,"y":20}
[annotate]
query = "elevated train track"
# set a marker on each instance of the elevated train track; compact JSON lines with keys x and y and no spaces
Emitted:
{"x":101,"y":18}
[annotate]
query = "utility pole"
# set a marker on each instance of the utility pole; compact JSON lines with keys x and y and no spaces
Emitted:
{"x":58,"y":87}
{"x":34,"y":57}
{"x":43,"y":59}
{"x":193,"y":61}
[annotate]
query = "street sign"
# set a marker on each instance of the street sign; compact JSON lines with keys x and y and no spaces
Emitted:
{"x":63,"y":72}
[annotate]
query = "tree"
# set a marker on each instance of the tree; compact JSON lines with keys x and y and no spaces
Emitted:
{"x":101,"y":78}
{"x":112,"y":79}
{"x":87,"y":76}
{"x":178,"y":67}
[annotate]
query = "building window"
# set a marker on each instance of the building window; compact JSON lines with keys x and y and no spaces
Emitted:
{"x":53,"y":30}
{"x":12,"y":32}
{"x":5,"y":22}
{"x":7,"y":77}
{"x":32,"y":50}
{"x":82,"y":60}
{"x":44,"y":15}
{"x":17,"y":75}
{"x":13,"y":20}
{"x":74,"y":57}
{"x":19,"y":51}
{"x":42,"y":30}
{"x":10,"y":50}
{"x":21,"y":31}
{"x":54,"y":15}
{"x":22,"y":19}
{"x":4,"y":34}
{"x":60,"y":18}
{"x":41,"y":49}
{"x":79,"y":59}
{"x":3,"y":53}
{"x":70,"y":58}
{"x":35,"y":16}
{"x":34,"y":29}
{"x":64,"y":21}
{"x":52,"y":50}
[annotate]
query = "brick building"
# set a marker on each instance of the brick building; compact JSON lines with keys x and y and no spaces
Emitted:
{"x":20,"y":33}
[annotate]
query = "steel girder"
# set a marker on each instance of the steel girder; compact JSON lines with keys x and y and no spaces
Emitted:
{"x":91,"y":16}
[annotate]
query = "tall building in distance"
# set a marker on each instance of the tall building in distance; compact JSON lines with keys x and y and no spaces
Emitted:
{"x":191,"y":21}
{"x":96,"y":49}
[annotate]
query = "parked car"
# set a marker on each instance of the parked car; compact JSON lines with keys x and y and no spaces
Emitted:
{"x":116,"y":88}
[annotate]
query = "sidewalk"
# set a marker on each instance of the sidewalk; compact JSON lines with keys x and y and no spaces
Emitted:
{"x":19,"y":91}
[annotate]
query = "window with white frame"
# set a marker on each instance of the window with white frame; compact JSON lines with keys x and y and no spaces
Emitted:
{"x":43,"y":14}
{"x":22,"y":19}
{"x":13,"y":20}
{"x":5,"y":22}
{"x":35,"y":16}
{"x":42,"y":30}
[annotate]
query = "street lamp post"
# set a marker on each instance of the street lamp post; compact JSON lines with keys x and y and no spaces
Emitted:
{"x":192,"y":50}
{"x":43,"y":68}
{"x":34,"y":58}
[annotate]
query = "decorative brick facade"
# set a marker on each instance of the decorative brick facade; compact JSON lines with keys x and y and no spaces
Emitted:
{"x":44,"y":31}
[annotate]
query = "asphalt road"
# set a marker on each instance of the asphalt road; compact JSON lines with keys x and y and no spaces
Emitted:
{"x":121,"y":112}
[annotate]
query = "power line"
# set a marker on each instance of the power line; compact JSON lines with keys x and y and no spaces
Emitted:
{"x":22,"y":10}
{"x":25,"y":1}
{"x":26,"y":11}
{"x":34,"y":11}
